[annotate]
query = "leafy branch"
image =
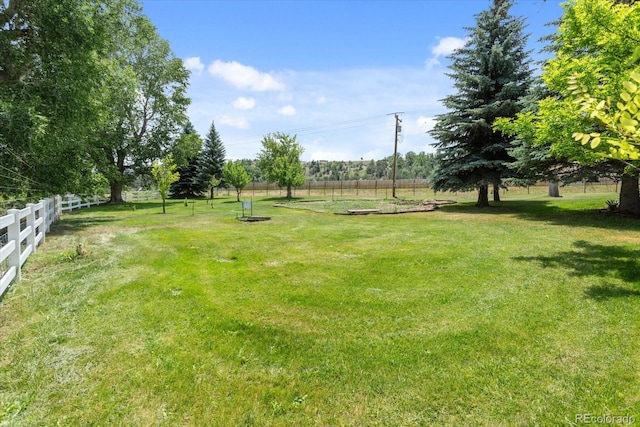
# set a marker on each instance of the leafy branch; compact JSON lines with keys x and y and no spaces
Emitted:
{"x":621,"y":120}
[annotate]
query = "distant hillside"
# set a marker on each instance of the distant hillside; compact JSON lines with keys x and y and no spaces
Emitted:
{"x":409,"y":166}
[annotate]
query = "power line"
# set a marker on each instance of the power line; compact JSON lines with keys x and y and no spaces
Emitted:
{"x":13,"y":153}
{"x":314,"y":130}
{"x":21,"y":176}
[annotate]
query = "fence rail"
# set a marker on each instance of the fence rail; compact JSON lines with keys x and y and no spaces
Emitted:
{"x":139,"y":196}
{"x":23,"y":230}
{"x":404,"y":188}
{"x":71,"y":202}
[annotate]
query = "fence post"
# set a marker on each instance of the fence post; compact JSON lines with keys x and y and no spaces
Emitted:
{"x":31,"y":224}
{"x":13,"y":233}
{"x":57,"y":207}
{"x":44,"y":214}
{"x":49,"y":213}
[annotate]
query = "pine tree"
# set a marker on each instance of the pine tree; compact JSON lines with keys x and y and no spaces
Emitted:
{"x":212,"y":159}
{"x":491,"y":74}
{"x":186,"y":152}
{"x":189,"y":184}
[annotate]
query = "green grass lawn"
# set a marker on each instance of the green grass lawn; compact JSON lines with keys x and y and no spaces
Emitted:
{"x":523,"y":314}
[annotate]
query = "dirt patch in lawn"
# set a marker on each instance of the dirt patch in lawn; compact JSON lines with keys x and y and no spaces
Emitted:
{"x":365,"y":206}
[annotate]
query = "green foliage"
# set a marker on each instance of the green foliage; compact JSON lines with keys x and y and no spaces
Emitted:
{"x":212,"y":158}
{"x":189,"y":184}
{"x":85,"y":86}
{"x":165,"y":174}
{"x":621,"y":120}
{"x":187,"y":149}
{"x":612,"y":205}
{"x":251,"y":166}
{"x":279,"y":159}
{"x":491,"y":74}
{"x":97,"y":185}
{"x":213,"y":183}
{"x":144,"y":103}
{"x":51,"y":69}
{"x":235,"y":175}
{"x":409,"y":166}
{"x":594,"y":48}
{"x":187,"y":146}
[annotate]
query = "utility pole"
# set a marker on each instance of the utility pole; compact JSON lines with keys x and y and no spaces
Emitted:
{"x":395,"y":150}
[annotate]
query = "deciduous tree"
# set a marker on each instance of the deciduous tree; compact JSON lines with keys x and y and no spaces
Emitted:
{"x":144,"y":103}
{"x":51,"y":70}
{"x":280,"y":160}
{"x":596,"y":48}
{"x":235,"y":174}
{"x":164,"y":172}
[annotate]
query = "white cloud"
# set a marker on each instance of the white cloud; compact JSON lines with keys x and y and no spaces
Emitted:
{"x":351,"y":123}
{"x":245,"y":77}
{"x":194,"y":65}
{"x":287,"y":110}
{"x":243,"y":103}
{"x":427,"y":123}
{"x":419,"y":126}
{"x":446,"y":46}
{"x":235,"y":122}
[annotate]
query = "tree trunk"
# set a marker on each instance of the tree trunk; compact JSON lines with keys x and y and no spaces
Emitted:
{"x":211,"y":193}
{"x":164,"y":203}
{"x":483,"y":197}
{"x":288,"y":192}
{"x":237,"y":195}
{"x":496,"y":193}
{"x":554,"y":189}
{"x":116,"y":192}
{"x":629,"y":195}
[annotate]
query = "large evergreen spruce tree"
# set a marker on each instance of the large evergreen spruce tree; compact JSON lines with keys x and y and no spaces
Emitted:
{"x":491,"y":74}
{"x":212,"y":159}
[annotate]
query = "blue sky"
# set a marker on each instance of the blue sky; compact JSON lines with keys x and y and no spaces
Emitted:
{"x":328,"y":71}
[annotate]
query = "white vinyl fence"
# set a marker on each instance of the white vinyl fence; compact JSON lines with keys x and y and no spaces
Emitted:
{"x":22,"y":230}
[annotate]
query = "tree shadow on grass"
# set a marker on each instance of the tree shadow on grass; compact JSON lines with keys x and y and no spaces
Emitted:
{"x":588,"y":259}
{"x":549,"y":211}
{"x":610,"y":291}
{"x":100,"y":215}
{"x":71,"y":224}
{"x":282,"y":199}
{"x":126,"y":206}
